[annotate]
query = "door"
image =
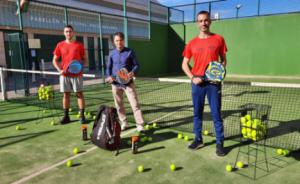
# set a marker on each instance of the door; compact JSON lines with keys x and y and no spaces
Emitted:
{"x":18,"y":60}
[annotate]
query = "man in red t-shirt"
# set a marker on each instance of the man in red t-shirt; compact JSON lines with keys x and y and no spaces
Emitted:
{"x":70,"y":50}
{"x":204,"y":48}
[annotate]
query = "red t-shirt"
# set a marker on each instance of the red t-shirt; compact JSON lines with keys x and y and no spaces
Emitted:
{"x":204,"y":51}
{"x":68,"y":52}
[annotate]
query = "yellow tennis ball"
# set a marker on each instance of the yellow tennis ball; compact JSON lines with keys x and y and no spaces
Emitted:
{"x":254,"y":125}
{"x":70,"y":109}
{"x":186,"y":138}
{"x":94,"y":117}
{"x":249,"y":134}
{"x":244,"y":131}
{"x":154,"y":125}
{"x":253,"y":133}
{"x":172,"y":167}
{"x":248,"y":130}
{"x":257,"y":121}
{"x":75,"y":151}
{"x":248,"y":117}
{"x":285,"y":152}
{"x":279,"y":151}
{"x":205,"y":132}
{"x":228,"y":168}
{"x":69,"y":163}
{"x":248,"y":124}
{"x":240,"y":164}
{"x":179,"y":136}
{"x":18,"y":127}
{"x":52,"y":123}
{"x":140,"y":168}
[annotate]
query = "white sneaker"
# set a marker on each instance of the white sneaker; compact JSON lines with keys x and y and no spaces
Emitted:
{"x":140,"y":128}
{"x":124,"y":125}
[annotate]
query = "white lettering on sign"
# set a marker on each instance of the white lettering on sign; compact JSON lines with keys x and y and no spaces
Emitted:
{"x":101,"y":126}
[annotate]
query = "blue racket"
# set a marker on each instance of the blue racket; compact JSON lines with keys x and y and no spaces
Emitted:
{"x":75,"y":67}
{"x":214,"y":73}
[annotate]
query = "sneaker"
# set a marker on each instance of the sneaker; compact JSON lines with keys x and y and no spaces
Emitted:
{"x":124,"y":125}
{"x":220,"y":150}
{"x":82,"y":120}
{"x":196,"y":145}
{"x":140,"y":128}
{"x":65,"y":120}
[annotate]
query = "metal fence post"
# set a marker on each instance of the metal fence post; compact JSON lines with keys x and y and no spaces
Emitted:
{"x":2,"y":83}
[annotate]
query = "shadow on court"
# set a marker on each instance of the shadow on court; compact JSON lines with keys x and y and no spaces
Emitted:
{"x":10,"y":140}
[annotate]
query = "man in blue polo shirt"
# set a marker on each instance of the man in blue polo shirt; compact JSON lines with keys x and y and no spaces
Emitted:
{"x":123,"y":57}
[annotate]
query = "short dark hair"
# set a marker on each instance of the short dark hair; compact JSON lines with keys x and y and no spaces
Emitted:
{"x":69,"y":26}
{"x":203,"y":12}
{"x":119,"y":34}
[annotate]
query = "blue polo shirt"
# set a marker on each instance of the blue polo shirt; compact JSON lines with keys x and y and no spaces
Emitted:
{"x":121,"y":59}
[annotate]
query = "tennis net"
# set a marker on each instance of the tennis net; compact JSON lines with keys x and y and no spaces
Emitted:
{"x":167,"y":102}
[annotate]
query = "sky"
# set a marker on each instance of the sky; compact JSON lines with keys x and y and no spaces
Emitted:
{"x":227,"y":9}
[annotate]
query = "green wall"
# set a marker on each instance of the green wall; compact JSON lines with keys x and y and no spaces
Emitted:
{"x":153,"y":54}
{"x":176,"y":44}
{"x":268,"y":45}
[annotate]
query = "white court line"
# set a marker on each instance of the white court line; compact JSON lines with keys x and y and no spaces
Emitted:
{"x":282,"y":85}
{"x":174,"y":80}
{"x":35,"y":174}
{"x":169,"y":114}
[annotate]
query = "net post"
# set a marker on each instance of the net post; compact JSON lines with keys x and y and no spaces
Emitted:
{"x":149,"y":23}
{"x":66,"y":15}
{"x":2,"y":83}
{"x":125,"y":22}
{"x":194,"y":18}
{"x":101,"y":48}
{"x":20,"y":15}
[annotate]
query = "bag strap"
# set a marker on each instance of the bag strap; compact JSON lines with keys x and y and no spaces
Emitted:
{"x":101,"y":109}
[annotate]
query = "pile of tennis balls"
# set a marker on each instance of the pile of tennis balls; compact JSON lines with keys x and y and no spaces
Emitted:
{"x":45,"y":92}
{"x":252,"y":128}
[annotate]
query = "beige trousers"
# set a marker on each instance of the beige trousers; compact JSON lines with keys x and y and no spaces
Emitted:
{"x":133,"y":100}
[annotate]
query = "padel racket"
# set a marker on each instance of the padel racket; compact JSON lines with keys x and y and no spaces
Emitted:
{"x":122,"y":77}
{"x":75,"y":67}
{"x":215,"y":72}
